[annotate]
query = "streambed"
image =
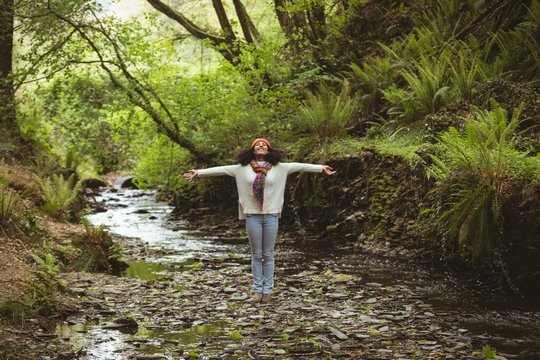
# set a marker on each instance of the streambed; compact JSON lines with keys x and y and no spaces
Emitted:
{"x":185,"y":295}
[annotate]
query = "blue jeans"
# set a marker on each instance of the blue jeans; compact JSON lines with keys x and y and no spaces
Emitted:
{"x":262,"y":232}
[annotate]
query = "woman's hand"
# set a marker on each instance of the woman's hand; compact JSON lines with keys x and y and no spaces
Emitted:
{"x":328,"y":170}
{"x":190,"y":175}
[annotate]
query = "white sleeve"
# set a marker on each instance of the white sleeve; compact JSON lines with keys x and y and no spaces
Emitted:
{"x":296,"y":167}
{"x":219,"y":171}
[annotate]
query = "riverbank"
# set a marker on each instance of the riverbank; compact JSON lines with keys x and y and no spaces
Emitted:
{"x":330,"y":302}
{"x":186,"y":295}
{"x":344,"y":305}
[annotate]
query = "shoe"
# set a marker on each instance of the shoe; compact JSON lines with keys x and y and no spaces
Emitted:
{"x":266,"y":298}
{"x":256,"y":298}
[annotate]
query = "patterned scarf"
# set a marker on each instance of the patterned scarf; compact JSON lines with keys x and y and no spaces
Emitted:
{"x":259,"y":182}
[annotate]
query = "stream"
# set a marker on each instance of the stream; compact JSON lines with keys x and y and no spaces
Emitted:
{"x":184,"y":296}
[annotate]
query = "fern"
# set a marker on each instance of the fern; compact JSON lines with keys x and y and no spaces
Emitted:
{"x":59,"y":193}
{"x":467,"y":70}
{"x":326,"y":115}
{"x":427,"y":89}
{"x":472,"y":169}
{"x":7,"y":204}
{"x":518,"y":50}
{"x":378,"y":75}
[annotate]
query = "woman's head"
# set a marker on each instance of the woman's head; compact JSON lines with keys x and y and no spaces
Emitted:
{"x":260,"y":147}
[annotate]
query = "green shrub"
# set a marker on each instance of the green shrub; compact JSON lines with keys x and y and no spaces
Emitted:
{"x":60,"y":194}
{"x":8,"y":200}
{"x":326,"y":116}
{"x":518,"y":49}
{"x":98,"y":251}
{"x":471,"y":170}
{"x":467,"y":70}
{"x":428,"y":89}
{"x":373,"y":78}
{"x":39,"y":296}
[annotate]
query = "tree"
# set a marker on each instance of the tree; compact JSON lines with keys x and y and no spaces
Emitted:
{"x":302,"y":22}
{"x":110,"y":55}
{"x":8,"y":125}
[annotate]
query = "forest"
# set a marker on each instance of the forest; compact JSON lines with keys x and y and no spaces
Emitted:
{"x":429,"y":111}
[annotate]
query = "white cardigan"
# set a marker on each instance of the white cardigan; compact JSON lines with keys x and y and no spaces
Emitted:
{"x":274,"y":190}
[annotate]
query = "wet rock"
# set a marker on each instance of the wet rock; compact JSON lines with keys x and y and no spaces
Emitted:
{"x":125,"y":325}
{"x":373,"y":285}
{"x":141,"y":211}
{"x":149,"y":357}
{"x":339,"y":334}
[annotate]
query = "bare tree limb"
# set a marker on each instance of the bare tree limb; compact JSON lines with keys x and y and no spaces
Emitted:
{"x":221,"y":43}
{"x":224,"y":21}
{"x":251,"y":34}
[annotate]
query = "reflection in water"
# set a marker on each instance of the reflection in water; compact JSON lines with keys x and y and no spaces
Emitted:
{"x":136,"y":214}
{"x":102,"y":343}
{"x":141,"y":269}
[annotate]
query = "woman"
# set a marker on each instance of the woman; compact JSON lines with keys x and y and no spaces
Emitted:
{"x":260,"y":179}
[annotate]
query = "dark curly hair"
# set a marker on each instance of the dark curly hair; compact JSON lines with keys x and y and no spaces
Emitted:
{"x":244,"y":157}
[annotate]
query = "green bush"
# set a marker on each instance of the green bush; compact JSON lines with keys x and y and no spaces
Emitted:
{"x":471,"y":170}
{"x":40,"y":296}
{"x":428,"y":89}
{"x":467,"y":70}
{"x":8,"y":200}
{"x":325,"y":116}
{"x":98,"y":251}
{"x":60,"y":194}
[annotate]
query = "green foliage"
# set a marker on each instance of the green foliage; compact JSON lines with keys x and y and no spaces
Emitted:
{"x":38,"y":296}
{"x":88,"y":121}
{"x":467,"y":70}
{"x":235,"y":336}
{"x":340,"y":148}
{"x":408,"y":147}
{"x":48,"y":265}
{"x":159,"y":163}
{"x":60,"y":194}
{"x":472,"y":170}
{"x":518,"y":49}
{"x":115,"y":252}
{"x":98,"y":250}
{"x":8,"y":202}
{"x":488,"y":352}
{"x":326,"y":115}
{"x":428,"y":89}
{"x":373,"y":78}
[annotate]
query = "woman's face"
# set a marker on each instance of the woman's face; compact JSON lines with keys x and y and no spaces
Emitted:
{"x":260,"y":148}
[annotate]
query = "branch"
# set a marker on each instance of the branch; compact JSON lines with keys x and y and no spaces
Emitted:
{"x":224,"y":21}
{"x":191,"y":27}
{"x":251,"y":34}
{"x":196,"y":31}
{"x":136,"y":94}
{"x":54,"y":48}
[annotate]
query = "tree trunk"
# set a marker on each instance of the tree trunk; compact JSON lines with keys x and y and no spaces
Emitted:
{"x":8,"y":125}
{"x":248,"y":28}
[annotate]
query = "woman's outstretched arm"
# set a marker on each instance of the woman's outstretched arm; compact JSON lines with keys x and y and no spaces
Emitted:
{"x":230,"y":170}
{"x":315,"y":168}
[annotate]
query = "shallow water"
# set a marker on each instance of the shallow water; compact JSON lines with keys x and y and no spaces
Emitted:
{"x":511,"y":325}
{"x":137,"y":215}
